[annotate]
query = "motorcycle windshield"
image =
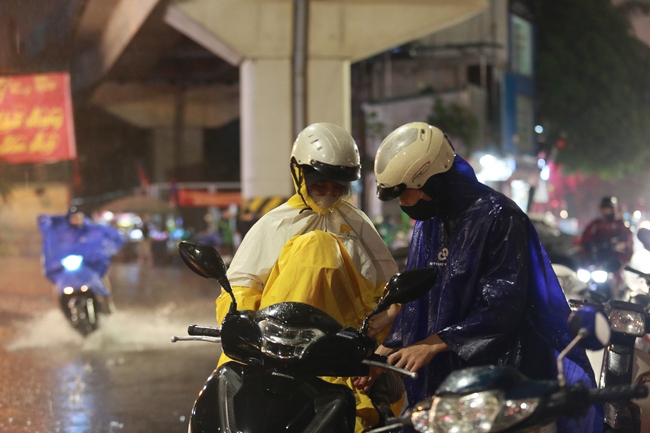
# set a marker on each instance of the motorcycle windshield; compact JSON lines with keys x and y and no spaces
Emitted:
{"x":299,"y":315}
{"x":95,"y":243}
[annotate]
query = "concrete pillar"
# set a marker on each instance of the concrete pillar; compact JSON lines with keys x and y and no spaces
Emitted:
{"x":266,"y":109}
{"x":328,"y":90}
{"x":266,"y":132}
{"x":257,"y":35}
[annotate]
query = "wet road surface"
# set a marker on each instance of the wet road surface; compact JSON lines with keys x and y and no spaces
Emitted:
{"x":126,"y":377}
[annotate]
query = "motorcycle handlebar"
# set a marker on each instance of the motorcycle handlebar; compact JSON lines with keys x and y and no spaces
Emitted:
{"x":617,"y":393}
{"x":206,"y":331}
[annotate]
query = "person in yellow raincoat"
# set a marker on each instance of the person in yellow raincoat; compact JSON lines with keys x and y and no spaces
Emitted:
{"x":317,"y":248}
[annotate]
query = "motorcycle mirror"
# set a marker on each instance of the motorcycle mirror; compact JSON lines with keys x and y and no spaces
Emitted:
{"x":408,"y":286}
{"x":404,"y":287}
{"x":592,"y":326}
{"x":590,"y":329}
{"x":643,"y":234}
{"x":203,"y":260}
{"x":207,"y":262}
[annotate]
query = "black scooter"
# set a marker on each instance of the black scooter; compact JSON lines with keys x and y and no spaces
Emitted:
{"x":500,"y":399}
{"x":279,"y":353}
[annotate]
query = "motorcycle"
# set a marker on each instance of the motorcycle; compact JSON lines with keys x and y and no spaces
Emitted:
{"x":600,"y":270}
{"x":623,"y":361}
{"x":280,"y":352}
{"x":79,"y":289}
{"x":75,"y":260}
{"x":500,"y":399}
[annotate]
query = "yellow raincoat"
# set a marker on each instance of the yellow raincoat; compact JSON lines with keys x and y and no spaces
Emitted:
{"x":331,"y":259}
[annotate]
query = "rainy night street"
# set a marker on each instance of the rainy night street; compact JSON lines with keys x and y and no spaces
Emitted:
{"x":126,"y":377}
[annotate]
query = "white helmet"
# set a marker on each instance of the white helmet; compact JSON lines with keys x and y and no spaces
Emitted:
{"x":330,"y":150}
{"x":409,"y":156}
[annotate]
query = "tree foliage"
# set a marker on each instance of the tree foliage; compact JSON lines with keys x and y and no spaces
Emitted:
{"x":594,"y":86}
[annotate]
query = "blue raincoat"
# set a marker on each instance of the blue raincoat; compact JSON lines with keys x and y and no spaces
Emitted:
{"x":496,"y":299}
{"x":95,"y":243}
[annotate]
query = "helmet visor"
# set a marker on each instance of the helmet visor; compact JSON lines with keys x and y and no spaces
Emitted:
{"x":337,"y":172}
{"x":390,"y":193}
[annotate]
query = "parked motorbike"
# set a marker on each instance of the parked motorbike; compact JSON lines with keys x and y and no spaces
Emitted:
{"x":281,"y":351}
{"x":501,"y":399}
{"x":79,"y":289}
{"x":622,"y":363}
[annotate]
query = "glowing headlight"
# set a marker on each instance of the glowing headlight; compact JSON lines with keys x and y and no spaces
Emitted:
{"x":72,"y":262}
{"x":584,"y":275}
{"x":286,"y":342}
{"x":628,"y":322}
{"x":479,"y":412}
{"x":68,"y":290}
{"x":599,"y":276}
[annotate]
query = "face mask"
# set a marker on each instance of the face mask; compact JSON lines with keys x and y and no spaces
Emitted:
{"x":325,"y":201}
{"x":422,"y":210}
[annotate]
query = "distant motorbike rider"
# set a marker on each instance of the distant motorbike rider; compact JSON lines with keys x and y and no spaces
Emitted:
{"x":76,"y":234}
{"x":608,"y":241}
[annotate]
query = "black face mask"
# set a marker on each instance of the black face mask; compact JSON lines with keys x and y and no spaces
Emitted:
{"x":424,"y":209}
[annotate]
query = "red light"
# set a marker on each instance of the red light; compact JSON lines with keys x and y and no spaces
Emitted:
{"x":560,"y":144}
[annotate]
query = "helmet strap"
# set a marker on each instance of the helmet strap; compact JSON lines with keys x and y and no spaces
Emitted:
{"x":299,"y":178}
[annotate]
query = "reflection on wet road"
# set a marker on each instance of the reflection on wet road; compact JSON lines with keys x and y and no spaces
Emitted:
{"x":126,"y":377}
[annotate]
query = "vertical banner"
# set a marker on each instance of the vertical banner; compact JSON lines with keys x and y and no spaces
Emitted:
{"x":36,"y":118}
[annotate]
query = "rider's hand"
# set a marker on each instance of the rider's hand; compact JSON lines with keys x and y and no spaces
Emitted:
{"x":382,"y":320}
{"x":365,"y":382}
{"x":418,"y":355}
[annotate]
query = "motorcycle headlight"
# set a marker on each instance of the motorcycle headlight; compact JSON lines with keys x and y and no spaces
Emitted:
{"x":599,"y":276}
{"x":627,"y":322}
{"x":72,"y":262}
{"x":485,"y":411}
{"x":286,"y":342}
{"x":584,"y":275}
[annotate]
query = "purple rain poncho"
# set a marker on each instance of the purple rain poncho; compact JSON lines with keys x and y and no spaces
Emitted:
{"x":496,"y":299}
{"x":95,"y":243}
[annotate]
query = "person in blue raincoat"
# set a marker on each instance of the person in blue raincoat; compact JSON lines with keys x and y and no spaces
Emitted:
{"x":496,"y":299}
{"x":74,"y":234}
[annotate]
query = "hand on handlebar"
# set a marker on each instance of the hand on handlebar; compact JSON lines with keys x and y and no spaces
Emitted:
{"x":418,"y":355}
{"x":365,"y":382}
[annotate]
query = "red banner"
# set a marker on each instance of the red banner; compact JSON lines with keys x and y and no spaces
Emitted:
{"x":36,"y":118}
{"x":203,"y":198}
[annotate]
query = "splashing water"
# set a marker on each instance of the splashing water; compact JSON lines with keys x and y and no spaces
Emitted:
{"x":124,"y":330}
